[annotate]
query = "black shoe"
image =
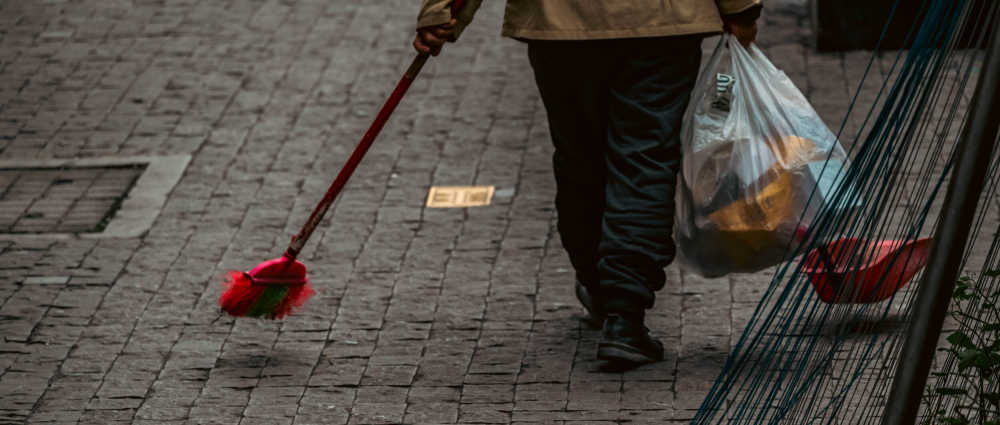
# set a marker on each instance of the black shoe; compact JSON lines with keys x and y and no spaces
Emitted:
{"x":627,"y":340}
{"x":595,"y":313}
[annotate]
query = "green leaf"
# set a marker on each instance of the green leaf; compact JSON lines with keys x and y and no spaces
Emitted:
{"x":991,"y":327}
{"x":961,"y":291}
{"x":969,"y":358}
{"x":954,"y":421}
{"x":983,"y":362}
{"x":969,"y":354}
{"x":992,"y":273}
{"x":960,"y":339}
{"x":950,"y":391}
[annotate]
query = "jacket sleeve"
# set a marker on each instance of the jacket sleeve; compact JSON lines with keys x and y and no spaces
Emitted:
{"x":732,"y":7}
{"x":437,"y":12}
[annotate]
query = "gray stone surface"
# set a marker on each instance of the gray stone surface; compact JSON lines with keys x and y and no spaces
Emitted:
{"x":422,"y":315}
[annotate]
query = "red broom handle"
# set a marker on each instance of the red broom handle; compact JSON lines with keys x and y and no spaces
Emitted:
{"x":299,"y":240}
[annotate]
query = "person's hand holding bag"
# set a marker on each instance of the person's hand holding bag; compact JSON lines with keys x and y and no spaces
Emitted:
{"x":742,"y":25}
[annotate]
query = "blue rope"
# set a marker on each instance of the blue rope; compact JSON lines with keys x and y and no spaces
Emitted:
{"x":785,"y":369}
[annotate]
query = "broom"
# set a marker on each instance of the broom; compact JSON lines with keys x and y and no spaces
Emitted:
{"x":277,"y":286}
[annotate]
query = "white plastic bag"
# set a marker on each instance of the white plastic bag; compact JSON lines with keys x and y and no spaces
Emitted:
{"x":754,"y":150}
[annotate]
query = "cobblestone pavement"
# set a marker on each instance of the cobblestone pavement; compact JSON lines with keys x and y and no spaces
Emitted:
{"x":422,"y":316}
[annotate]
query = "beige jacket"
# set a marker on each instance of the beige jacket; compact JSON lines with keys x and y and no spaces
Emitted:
{"x":595,"y":19}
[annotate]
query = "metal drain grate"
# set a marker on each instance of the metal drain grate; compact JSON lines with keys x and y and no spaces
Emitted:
{"x":63,"y":200}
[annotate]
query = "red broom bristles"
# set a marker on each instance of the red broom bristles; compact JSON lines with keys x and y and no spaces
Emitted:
{"x":243,"y":296}
{"x":294,"y":299}
{"x":240,"y":294}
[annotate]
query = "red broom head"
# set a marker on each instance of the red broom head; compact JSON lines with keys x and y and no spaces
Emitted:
{"x":271,"y":290}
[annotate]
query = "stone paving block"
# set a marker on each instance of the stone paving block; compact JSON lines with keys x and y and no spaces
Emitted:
{"x":330,"y":418}
{"x":338,"y":372}
{"x":485,"y":413}
{"x":431,"y":412}
{"x":595,"y":414}
{"x":107,"y":416}
{"x":389,"y":375}
{"x":46,"y":280}
{"x":264,"y":421}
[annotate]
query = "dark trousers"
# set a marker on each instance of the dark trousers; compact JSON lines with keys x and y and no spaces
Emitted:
{"x":615,"y":109}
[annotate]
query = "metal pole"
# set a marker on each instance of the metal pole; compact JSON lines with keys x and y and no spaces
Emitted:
{"x":934,"y":296}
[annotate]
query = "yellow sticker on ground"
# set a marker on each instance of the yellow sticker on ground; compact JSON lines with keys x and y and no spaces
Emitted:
{"x":459,"y":196}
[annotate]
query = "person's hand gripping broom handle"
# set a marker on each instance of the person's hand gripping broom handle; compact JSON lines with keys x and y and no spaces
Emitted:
{"x":299,"y":240}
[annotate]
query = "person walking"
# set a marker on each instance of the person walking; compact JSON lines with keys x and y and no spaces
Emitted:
{"x":615,"y":77}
